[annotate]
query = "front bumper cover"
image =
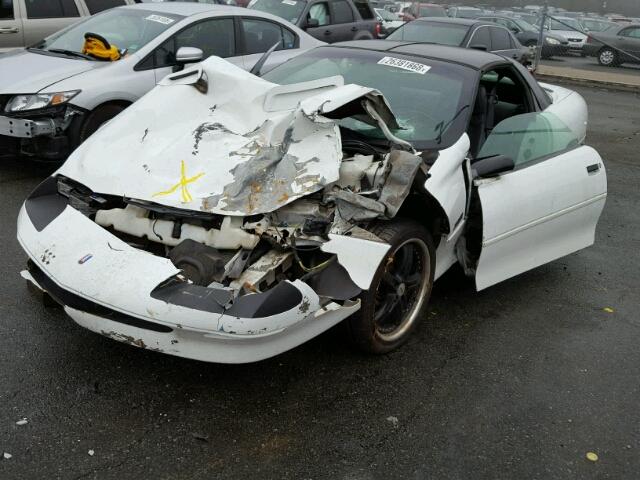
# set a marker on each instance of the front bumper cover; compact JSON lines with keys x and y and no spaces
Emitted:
{"x":134,"y":297}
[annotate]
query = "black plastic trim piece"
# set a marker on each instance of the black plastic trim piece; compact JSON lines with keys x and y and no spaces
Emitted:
{"x":45,"y":204}
{"x":71,"y":300}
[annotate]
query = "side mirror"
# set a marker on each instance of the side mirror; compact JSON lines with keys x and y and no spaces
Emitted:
{"x":312,"y":23}
{"x":515,"y":30}
{"x":189,"y":55}
{"x":484,"y":48}
{"x":492,"y":166}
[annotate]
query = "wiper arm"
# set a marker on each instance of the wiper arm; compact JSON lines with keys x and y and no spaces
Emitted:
{"x":70,"y":53}
{"x":442,"y":126}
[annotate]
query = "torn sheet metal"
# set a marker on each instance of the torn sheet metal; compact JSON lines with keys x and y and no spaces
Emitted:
{"x":360,"y":257}
{"x":223,"y":151}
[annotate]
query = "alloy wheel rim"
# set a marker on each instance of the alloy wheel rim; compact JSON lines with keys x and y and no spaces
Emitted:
{"x":401,"y":291}
{"x":606,"y":57}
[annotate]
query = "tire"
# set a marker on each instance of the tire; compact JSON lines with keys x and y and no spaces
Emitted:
{"x":399,"y":303}
{"x":96,"y":119}
{"x":607,"y":57}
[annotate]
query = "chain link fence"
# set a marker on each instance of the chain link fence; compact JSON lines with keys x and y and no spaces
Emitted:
{"x":588,"y":45}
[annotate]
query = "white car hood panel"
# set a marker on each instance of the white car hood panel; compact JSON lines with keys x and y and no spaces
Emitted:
{"x":26,"y":72}
{"x":221,"y":151}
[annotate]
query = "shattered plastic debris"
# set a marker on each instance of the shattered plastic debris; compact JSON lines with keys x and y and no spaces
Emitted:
{"x":7,"y":456}
{"x":22,"y":422}
{"x":608,"y":309}
{"x":91,"y":453}
{"x":592,"y":456}
{"x":393,"y":420}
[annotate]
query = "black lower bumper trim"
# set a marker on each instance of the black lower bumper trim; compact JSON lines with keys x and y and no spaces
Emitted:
{"x":71,"y":300}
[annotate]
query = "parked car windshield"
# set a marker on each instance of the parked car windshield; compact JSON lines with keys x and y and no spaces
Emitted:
{"x":567,"y":24}
{"x":288,"y":9}
{"x":431,"y":32}
{"x":127,"y":29}
{"x":525,"y":26}
{"x":429,"y":98}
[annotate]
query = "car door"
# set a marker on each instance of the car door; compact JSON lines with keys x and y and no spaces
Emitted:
{"x":11,"y":32}
{"x":97,"y":6}
{"x":343,"y":22}
{"x":259,"y":35}
{"x":501,"y":43}
{"x":214,"y":36}
{"x":320,"y":11}
{"x":629,"y":40}
{"x":547,"y":207}
{"x":41,"y":18}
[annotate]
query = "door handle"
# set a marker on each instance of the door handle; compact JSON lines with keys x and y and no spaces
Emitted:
{"x":354,"y":29}
{"x":593,"y":168}
{"x":327,"y":32}
{"x":9,"y":30}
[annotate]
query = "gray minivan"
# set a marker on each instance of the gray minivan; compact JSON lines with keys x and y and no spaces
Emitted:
{"x":25,"y":22}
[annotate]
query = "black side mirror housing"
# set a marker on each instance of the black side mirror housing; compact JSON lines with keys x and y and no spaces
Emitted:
{"x":492,"y":166}
{"x":312,"y":23}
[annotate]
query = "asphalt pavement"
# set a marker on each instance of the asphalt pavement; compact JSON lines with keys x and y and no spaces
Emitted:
{"x":519,"y":381}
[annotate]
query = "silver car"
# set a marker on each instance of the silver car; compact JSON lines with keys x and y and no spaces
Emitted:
{"x":52,"y":96}
{"x":24,"y":22}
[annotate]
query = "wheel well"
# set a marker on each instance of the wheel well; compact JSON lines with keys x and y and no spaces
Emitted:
{"x":119,"y":103}
{"x":425,"y":209}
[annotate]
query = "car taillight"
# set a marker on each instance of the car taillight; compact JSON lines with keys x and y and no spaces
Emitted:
{"x":378,"y":30}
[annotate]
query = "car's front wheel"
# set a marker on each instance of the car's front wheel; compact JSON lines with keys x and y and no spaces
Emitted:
{"x":399,"y":293}
{"x":97,"y":118}
{"x":608,"y":57}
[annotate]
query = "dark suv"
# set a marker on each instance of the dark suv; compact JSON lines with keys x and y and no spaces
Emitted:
{"x":327,"y":20}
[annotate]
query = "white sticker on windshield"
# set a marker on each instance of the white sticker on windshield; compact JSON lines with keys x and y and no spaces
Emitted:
{"x":160,"y":19}
{"x":405,"y":65}
{"x":289,"y":2}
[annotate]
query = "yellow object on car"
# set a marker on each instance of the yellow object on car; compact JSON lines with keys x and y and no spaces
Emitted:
{"x":98,"y":47}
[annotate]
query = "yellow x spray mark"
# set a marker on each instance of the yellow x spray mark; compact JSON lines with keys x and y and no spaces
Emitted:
{"x":182,"y":185}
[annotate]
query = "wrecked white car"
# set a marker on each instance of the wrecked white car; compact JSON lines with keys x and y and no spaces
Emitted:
{"x":229,"y":218}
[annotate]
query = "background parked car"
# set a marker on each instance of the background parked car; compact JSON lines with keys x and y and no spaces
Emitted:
{"x":52,"y":97}
{"x":596,"y":25}
{"x":528,"y":35}
{"x":417,"y":10}
{"x":464,"y":33}
{"x":570,"y":29}
{"x":465,"y":12}
{"x":327,"y":20}
{"x":388,"y":21}
{"x":25,"y":22}
{"x":625,"y":38}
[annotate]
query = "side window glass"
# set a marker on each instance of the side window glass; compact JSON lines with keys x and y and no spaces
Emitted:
{"x":500,"y":39}
{"x":6,"y":10}
{"x":213,"y":37}
{"x":342,"y":12}
{"x":635,"y":33}
{"x":481,"y":38}
{"x":320,"y":11}
{"x":529,"y":137}
{"x":365,"y":11}
{"x":165,"y":54}
{"x":51,"y":9}
{"x":97,"y":6}
{"x":261,"y":35}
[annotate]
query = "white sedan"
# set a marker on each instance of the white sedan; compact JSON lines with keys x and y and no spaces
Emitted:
{"x":53,"y":96}
{"x":260,"y":212}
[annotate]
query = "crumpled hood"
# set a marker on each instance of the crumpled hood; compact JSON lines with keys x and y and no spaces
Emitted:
{"x":246,"y":146}
{"x":26,"y":72}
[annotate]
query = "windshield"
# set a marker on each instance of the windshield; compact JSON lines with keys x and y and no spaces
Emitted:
{"x":567,"y":24}
{"x":428,"y":32}
{"x":123,"y":28}
{"x":429,"y":98}
{"x":288,"y":9}
{"x":386,"y":15}
{"x":525,"y":26}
